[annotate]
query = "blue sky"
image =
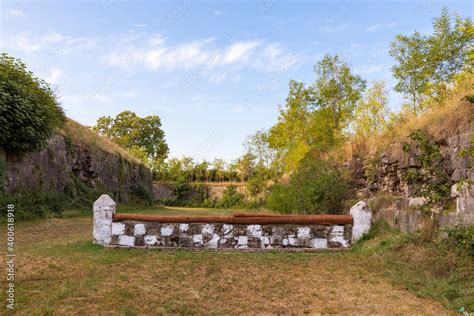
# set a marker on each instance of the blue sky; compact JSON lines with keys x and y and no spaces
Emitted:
{"x":214,"y":71}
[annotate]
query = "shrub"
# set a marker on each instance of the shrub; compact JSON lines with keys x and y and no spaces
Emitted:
{"x":29,"y":111}
{"x":317,"y":187}
{"x":30,"y":203}
{"x":279,"y":200}
{"x":431,"y":180}
{"x":142,"y":194}
{"x":230,"y":198}
{"x":461,"y":238}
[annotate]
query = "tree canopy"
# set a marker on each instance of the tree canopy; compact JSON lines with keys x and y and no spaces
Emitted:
{"x":29,"y":110}
{"x":142,"y":136}
{"x":426,"y":64}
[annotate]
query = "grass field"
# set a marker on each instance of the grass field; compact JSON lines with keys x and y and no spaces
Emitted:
{"x":59,"y":271}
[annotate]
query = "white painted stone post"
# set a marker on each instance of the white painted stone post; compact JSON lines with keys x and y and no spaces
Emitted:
{"x":362,"y":216}
{"x":104,"y":209}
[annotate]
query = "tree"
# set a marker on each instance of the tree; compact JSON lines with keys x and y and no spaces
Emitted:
{"x":257,"y":144}
{"x":29,"y":110}
{"x":425,"y":65}
{"x":337,"y":89}
{"x":291,"y":136}
{"x":372,"y":112}
{"x":219,"y":167}
{"x":135,"y":133}
{"x":245,"y":166}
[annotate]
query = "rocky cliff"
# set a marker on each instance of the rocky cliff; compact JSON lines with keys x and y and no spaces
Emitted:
{"x":418,"y":177}
{"x":77,"y":160}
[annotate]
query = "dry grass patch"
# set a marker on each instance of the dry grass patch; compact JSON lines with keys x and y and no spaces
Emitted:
{"x":60,"y":271}
{"x":87,"y":137}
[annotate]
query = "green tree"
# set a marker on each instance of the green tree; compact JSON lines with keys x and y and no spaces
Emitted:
{"x":292,"y":136}
{"x":337,"y":89}
{"x":142,"y":136}
{"x":219,"y":167}
{"x":29,"y":110}
{"x":245,"y":166}
{"x":426,"y":64}
{"x":372,"y":111}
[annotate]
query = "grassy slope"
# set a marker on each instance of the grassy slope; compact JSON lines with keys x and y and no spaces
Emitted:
{"x":455,"y":115}
{"x":83,"y":135}
{"x":59,"y":271}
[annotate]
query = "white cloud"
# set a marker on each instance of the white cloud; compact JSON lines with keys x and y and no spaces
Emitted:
{"x":54,"y":75}
{"x":141,"y":25}
{"x":203,"y":57}
{"x":378,"y":26}
{"x":56,"y":42}
{"x":217,"y":12}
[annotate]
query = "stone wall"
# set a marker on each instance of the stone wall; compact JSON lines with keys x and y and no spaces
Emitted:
{"x":385,"y":176}
{"x":64,"y":166}
{"x":229,"y":236}
{"x":131,"y":233}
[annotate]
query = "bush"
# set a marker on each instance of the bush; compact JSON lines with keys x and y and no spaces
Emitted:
{"x":279,"y":200}
{"x":29,"y":111}
{"x":31,"y":203}
{"x":461,"y":238}
{"x":230,"y":198}
{"x":317,"y":187}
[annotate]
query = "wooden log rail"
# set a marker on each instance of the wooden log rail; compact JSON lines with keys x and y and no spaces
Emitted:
{"x":241,"y":218}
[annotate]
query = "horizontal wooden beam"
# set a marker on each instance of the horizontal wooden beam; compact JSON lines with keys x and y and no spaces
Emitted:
{"x":246,"y":220}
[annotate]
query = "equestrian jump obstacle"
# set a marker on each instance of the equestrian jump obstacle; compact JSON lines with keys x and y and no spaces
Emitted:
{"x":242,"y":231}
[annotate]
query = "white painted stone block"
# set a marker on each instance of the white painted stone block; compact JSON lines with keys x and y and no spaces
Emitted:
{"x":208,"y":229}
{"x":197,"y":238}
{"x":214,"y":242}
{"x":362,"y":216}
{"x":242,"y":240}
{"x":291,"y":241}
{"x":103,"y":210}
{"x":167,"y":230}
{"x":118,"y":229}
{"x":319,"y":243}
{"x":150,"y":240}
{"x":337,"y":235}
{"x":304,"y":232}
{"x":139,"y":229}
{"x":128,"y":241}
{"x":183,"y":227}
{"x":285,"y":242}
{"x":255,"y":230}
{"x":227,"y":229}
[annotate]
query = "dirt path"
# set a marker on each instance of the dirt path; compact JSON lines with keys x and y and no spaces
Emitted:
{"x":60,"y":275}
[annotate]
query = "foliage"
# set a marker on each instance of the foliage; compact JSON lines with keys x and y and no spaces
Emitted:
{"x":461,"y":238}
{"x":142,"y":136}
{"x":431,"y":180}
{"x":337,"y":89}
{"x":316,"y":187}
{"x":279,"y":199}
{"x":33,"y":203}
{"x":29,"y":111}
{"x":230,"y":198}
{"x":426,"y":64}
{"x":142,"y":194}
{"x":372,"y":111}
{"x":185,"y":169}
{"x":435,"y":263}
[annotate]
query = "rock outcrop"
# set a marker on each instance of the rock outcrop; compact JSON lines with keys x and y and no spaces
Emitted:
{"x":68,"y":166}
